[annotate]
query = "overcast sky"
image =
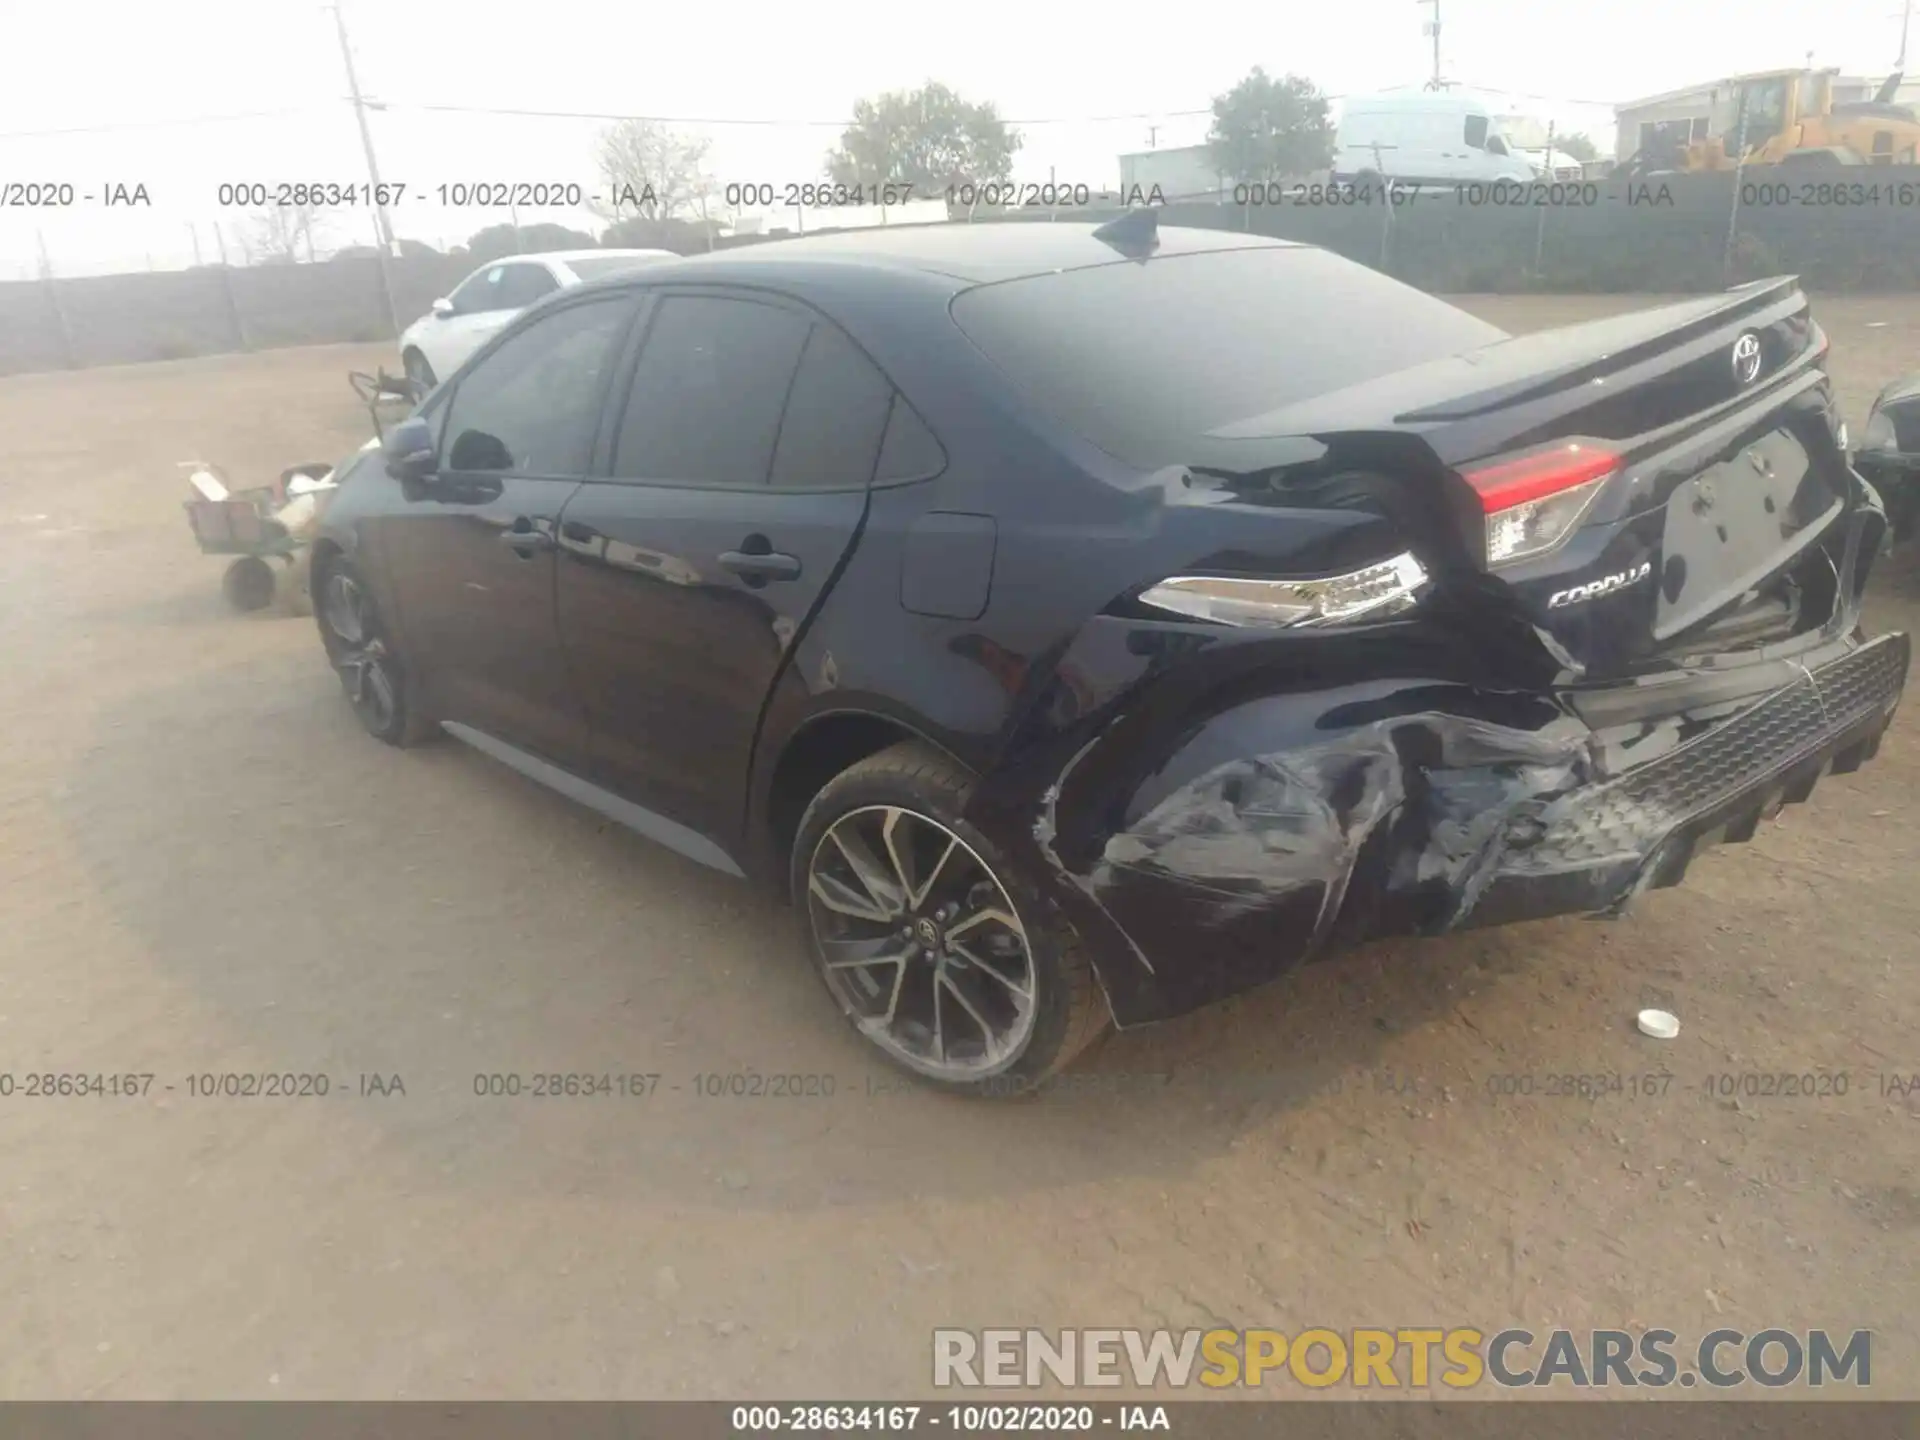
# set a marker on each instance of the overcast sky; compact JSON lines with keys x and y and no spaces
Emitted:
{"x":797,"y":68}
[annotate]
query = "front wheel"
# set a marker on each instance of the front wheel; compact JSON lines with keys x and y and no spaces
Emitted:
{"x":418,"y":371}
{"x":376,"y":679}
{"x":934,"y":949}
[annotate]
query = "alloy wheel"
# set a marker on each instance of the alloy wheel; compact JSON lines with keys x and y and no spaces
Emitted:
{"x":366,"y":667}
{"x":921,"y":944}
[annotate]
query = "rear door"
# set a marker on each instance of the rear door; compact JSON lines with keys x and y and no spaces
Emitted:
{"x":737,"y":484}
{"x":474,"y":547}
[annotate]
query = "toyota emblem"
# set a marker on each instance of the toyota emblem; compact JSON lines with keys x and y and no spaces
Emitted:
{"x":1746,"y":359}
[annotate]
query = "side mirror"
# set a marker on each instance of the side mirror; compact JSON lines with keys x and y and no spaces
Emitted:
{"x":443,"y":307}
{"x":408,"y":450}
{"x":1896,"y":414}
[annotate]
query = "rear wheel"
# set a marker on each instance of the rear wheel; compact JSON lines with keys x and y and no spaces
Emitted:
{"x":934,"y":949}
{"x":372,"y":673}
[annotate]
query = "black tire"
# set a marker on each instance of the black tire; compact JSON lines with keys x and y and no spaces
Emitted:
{"x":376,"y":676}
{"x":418,"y":370}
{"x":248,"y":583}
{"x":1065,"y":1011}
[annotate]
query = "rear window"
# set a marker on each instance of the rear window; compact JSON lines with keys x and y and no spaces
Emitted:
{"x":1146,"y":359}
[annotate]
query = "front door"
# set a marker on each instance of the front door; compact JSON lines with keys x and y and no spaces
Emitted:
{"x":474,"y":546}
{"x":738,"y":481}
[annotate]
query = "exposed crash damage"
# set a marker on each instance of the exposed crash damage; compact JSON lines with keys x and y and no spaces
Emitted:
{"x":1428,"y":821}
{"x":1550,"y":734}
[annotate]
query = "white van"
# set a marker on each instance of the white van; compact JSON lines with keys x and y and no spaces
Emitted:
{"x":1432,"y":136}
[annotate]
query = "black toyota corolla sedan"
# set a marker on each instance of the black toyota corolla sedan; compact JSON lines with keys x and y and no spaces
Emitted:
{"x":1083,"y":623}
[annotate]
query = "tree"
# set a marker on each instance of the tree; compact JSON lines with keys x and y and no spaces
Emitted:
{"x":1264,"y":129}
{"x":927,"y":138}
{"x":500,"y":240}
{"x":1578,"y":146}
{"x":647,"y":232}
{"x":409,"y":249}
{"x":654,"y":171}
{"x":281,"y":234}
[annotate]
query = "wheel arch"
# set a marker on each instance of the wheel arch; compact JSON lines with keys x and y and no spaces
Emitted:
{"x":325,"y":551}
{"x":820,"y":748}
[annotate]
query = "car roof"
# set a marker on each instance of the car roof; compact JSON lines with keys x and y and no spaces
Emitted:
{"x":586,"y":254}
{"x":957,"y":251}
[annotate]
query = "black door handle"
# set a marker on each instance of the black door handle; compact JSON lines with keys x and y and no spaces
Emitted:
{"x":527,"y":536}
{"x":762,"y":568}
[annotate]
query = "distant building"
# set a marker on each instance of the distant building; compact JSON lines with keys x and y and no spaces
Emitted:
{"x":1185,"y":173}
{"x":1686,"y":115}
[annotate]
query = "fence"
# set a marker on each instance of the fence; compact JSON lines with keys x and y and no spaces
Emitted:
{"x":167,"y":315}
{"x":1680,"y":234}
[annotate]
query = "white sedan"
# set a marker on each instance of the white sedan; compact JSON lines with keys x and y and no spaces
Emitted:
{"x":436,"y":344}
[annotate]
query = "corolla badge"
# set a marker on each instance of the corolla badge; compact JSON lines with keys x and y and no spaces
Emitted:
{"x":1605,"y":585}
{"x":1746,"y":359}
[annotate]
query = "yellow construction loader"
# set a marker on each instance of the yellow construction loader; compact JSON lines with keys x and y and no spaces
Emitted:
{"x":1788,"y":117}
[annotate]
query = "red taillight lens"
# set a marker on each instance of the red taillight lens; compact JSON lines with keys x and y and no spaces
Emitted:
{"x":1505,"y":483}
{"x":1533,"y":500}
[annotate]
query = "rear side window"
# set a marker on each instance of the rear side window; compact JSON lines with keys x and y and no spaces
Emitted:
{"x":835,"y":416}
{"x":709,"y":392}
{"x":1477,"y":132}
{"x":909,"y":451}
{"x":1146,"y":359}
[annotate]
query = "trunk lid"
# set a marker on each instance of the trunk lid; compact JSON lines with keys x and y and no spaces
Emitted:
{"x":1719,"y":526}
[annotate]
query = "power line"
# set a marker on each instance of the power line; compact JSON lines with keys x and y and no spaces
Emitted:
{"x":841,"y":123}
{"x":715,"y":120}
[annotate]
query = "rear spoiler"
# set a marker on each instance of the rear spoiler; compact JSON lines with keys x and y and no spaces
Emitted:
{"x":1701,"y":317}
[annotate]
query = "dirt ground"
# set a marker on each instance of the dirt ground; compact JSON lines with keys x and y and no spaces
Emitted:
{"x":206,"y":868}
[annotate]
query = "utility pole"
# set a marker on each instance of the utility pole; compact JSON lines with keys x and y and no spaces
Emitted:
{"x":383,"y":226}
{"x":1153,"y":137}
{"x":1432,"y":28}
{"x":1906,"y":27}
{"x":68,"y":356}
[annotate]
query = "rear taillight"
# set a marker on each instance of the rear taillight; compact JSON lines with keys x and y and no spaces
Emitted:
{"x":1534,"y":500}
{"x":1374,"y":593}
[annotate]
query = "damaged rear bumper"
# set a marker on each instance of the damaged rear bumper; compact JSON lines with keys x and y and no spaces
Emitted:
{"x":1232,"y":861}
{"x":1597,"y":847}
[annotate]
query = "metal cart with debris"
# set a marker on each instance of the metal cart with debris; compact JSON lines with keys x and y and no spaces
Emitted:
{"x":260,"y":526}
{"x":268,"y":526}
